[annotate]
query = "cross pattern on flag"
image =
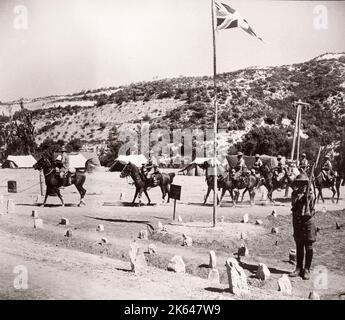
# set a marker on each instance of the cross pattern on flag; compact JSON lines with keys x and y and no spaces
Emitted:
{"x":228,"y":18}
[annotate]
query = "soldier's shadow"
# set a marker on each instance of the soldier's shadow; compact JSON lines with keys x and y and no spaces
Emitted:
{"x":252,"y":268}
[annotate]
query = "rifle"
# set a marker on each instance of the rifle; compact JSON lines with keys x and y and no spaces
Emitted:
{"x":311,"y":180}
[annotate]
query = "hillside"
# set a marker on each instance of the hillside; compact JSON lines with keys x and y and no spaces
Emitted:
{"x":249,"y":97}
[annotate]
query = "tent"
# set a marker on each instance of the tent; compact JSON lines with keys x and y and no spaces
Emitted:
{"x":92,"y":161}
{"x":16,"y":162}
{"x":195,"y":168}
{"x":122,"y":160}
{"x":76,"y":160}
{"x":272,"y":162}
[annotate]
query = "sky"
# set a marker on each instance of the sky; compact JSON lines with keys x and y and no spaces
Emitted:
{"x":71,"y":45}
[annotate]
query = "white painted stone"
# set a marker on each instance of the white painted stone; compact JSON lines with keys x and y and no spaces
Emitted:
{"x":104,"y":240}
{"x":245,"y":218}
{"x":274,"y":214}
{"x":179,"y":219}
{"x":236,"y":277}
{"x":213,"y":260}
{"x":274,"y":230}
{"x":213,"y":276}
{"x":10,"y":206}
{"x":152,"y":248}
{"x":143,"y":235}
{"x":159,"y":226}
{"x":221,"y":219}
{"x":100,"y":228}
{"x":137,"y":258}
{"x":284,"y":285}
{"x":259,"y":222}
{"x":263,"y":273}
{"x":38,"y":223}
{"x":244,"y":236}
{"x":68,"y":233}
{"x":176,"y":264}
{"x":34,"y":213}
{"x":187,"y":241}
{"x":64,"y":221}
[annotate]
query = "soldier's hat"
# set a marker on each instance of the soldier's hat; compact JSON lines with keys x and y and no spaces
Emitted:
{"x":326,"y":156}
{"x":257,"y":156}
{"x":239,"y":154}
{"x":303,"y":154}
{"x":279,"y":157}
{"x":301,"y":179}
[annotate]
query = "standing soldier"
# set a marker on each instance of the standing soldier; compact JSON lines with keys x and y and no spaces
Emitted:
{"x":303,"y":165}
{"x":304,"y":230}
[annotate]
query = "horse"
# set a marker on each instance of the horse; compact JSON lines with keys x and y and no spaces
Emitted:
{"x":248,"y":183}
{"x":271,"y":182}
{"x":53,"y":182}
{"x":164,"y":180}
{"x":210,"y":186}
{"x":334,"y":185}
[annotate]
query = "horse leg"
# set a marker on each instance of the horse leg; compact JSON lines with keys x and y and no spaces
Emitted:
{"x":207,"y":194}
{"x":221,"y":196}
{"x":148,"y":198}
{"x":60,"y":196}
{"x":163,"y":194}
{"x":45,"y":198}
{"x":252,"y":196}
{"x":243,"y":193}
{"x":334,"y":192}
{"x":135,"y":196}
{"x":321,"y":195}
{"x":168,"y":191}
{"x":82,"y":193}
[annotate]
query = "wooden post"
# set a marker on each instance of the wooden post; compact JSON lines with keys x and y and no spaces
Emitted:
{"x":41,"y":183}
{"x":215,"y":194}
{"x":299,"y":134}
{"x":174,"y":214}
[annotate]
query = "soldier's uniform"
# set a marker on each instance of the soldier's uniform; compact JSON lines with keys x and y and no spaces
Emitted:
{"x":304,"y":229}
{"x":303,"y":165}
{"x":327,"y":169}
{"x":64,"y":170}
{"x":241,"y":164}
{"x":257,"y":164}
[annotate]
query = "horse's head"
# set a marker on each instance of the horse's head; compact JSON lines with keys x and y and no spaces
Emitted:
{"x":126,"y":171}
{"x":42,"y":163}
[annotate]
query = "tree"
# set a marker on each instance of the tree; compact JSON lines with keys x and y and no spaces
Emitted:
{"x":74,"y":145}
{"x":17,"y":135}
{"x":114,"y":144}
{"x":265,"y":140}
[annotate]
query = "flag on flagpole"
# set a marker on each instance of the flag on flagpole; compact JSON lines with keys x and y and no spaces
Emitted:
{"x":228,"y":18}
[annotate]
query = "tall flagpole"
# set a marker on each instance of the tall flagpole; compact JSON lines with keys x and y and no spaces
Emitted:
{"x":215,"y":194}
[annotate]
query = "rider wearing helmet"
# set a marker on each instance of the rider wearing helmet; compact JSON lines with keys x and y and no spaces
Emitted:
{"x":304,"y":229}
{"x":303,"y":164}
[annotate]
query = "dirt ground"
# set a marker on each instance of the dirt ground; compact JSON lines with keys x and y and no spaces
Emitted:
{"x":81,"y":267}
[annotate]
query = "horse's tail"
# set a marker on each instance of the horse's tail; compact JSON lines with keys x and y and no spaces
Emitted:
{"x":172,"y":176}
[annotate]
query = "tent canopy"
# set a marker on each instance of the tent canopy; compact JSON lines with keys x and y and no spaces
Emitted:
{"x":272,"y":162}
{"x":122,"y":160}
{"x":91,"y":157}
{"x":15,"y":162}
{"x":76,"y":160}
{"x":197,"y":165}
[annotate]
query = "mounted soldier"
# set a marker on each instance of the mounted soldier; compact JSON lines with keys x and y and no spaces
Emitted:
{"x":241,"y":167}
{"x":145,"y":170}
{"x":64,"y":167}
{"x":257,"y":164}
{"x":304,"y":229}
{"x":304,"y":163}
{"x":327,"y":169}
{"x":281,"y":170}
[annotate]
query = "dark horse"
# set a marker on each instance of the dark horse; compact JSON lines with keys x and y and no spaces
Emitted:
{"x":164,"y":180}
{"x":248,"y":183}
{"x":334,"y":185}
{"x":271,"y":182}
{"x":53,"y":182}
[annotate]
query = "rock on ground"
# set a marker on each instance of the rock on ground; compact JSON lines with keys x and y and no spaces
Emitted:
{"x":176,"y":264}
{"x":236,"y":277}
{"x":284,"y":285}
{"x":213,"y":260}
{"x":213,"y":276}
{"x":263,"y":273}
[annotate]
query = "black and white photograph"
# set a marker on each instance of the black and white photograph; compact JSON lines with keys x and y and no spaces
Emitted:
{"x":184,"y":151}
